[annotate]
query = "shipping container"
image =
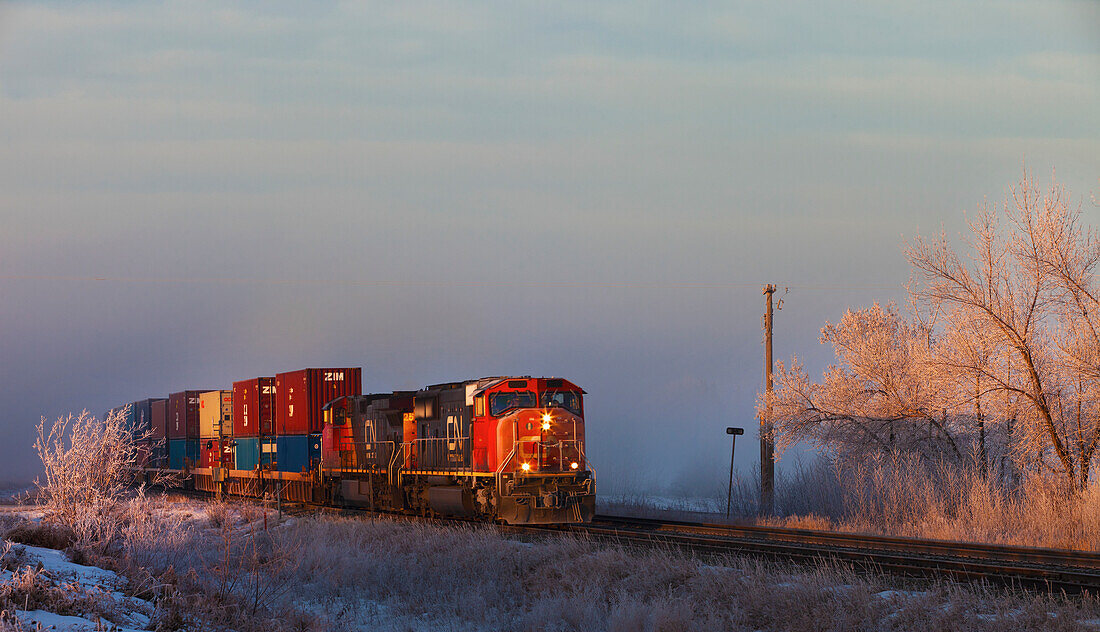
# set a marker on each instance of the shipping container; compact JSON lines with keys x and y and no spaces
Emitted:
{"x":298,"y":453}
{"x":215,"y":414}
{"x":183,"y":415}
{"x":176,"y":452}
{"x":158,"y":415}
{"x":216,"y":453}
{"x":254,"y":407}
{"x":300,"y":396}
{"x":141,"y":417}
{"x":246,"y":453}
{"x":250,"y":452}
{"x":229,"y":456}
{"x":183,"y":453}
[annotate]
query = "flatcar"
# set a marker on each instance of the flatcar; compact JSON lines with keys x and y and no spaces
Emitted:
{"x":508,"y":448}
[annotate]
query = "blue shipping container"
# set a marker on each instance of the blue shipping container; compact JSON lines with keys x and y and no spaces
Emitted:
{"x":292,"y":453}
{"x":247,"y":453}
{"x":177,"y":452}
{"x":182,"y":452}
{"x":193,"y":452}
{"x":253,"y":451}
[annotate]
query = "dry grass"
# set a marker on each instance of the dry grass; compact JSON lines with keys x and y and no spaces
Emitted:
{"x":395,"y":576}
{"x":50,"y":535}
{"x":391,"y":575}
{"x":899,"y":496}
{"x":903,"y":497}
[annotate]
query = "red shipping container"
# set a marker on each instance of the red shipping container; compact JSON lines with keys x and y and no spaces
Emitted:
{"x":183,"y":415}
{"x":215,"y":453}
{"x":254,"y":407}
{"x":159,"y":419}
{"x":300,"y":396}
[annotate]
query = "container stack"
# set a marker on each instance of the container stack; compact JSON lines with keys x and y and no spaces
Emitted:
{"x":253,"y":423}
{"x":215,"y":428}
{"x":139,"y":424}
{"x":300,"y":398}
{"x":158,"y":430}
{"x":183,"y":429}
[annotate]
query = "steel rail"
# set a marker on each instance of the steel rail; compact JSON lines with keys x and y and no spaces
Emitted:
{"x":1051,"y":570}
{"x":1029,"y":568}
{"x":1060,"y":557}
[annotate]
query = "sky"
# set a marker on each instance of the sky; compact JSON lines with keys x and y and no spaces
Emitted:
{"x":193,"y":193}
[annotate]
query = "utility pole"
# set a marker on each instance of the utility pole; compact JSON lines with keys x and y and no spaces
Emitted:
{"x":767,"y":440}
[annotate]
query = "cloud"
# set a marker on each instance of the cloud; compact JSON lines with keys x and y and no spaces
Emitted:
{"x":435,"y":191}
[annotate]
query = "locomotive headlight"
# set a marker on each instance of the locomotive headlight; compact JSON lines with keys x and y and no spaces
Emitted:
{"x":526,"y":467}
{"x":546,"y":425}
{"x":574,"y":465}
{"x":546,"y":418}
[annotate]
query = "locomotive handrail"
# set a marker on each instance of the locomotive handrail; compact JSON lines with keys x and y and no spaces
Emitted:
{"x":439,"y":453}
{"x":394,"y":471}
{"x":499,"y":474}
{"x":543,"y":449}
{"x":583,"y":464}
{"x":361,"y":459}
{"x":588,"y":467}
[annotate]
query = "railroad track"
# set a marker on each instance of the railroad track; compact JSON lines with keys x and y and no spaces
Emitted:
{"x":1029,"y":568}
{"x":1014,"y":566}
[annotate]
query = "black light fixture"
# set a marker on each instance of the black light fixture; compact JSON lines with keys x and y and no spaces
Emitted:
{"x":729,"y":495}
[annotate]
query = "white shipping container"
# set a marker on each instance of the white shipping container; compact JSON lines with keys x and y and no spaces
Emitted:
{"x":215,"y":414}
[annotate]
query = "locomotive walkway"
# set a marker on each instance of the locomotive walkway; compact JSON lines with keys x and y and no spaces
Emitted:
{"x":1051,"y":570}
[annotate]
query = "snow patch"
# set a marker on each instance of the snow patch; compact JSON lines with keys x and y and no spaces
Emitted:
{"x":60,"y":572}
{"x":900,"y":594}
{"x":59,"y":567}
{"x":52,"y":621}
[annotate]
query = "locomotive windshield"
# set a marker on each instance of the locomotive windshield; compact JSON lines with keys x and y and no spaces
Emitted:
{"x":569,"y":400}
{"x":500,"y":403}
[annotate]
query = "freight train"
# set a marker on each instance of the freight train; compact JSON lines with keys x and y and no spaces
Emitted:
{"x":509,"y":449}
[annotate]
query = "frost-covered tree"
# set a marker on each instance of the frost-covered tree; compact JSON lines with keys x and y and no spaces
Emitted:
{"x":877,"y":397}
{"x":1027,"y":290}
{"x":1004,"y":362}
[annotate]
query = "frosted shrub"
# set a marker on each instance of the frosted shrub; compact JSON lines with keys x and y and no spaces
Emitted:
{"x":86,"y":460}
{"x":88,"y":464}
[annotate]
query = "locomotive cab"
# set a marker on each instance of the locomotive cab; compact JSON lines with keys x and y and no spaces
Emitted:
{"x":530,"y":433}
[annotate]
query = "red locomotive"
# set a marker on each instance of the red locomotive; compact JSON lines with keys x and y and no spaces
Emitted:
{"x":500,"y":448}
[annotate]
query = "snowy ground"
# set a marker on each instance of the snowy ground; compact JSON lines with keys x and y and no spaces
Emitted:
{"x":353,"y":574}
{"x":51,"y":572}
